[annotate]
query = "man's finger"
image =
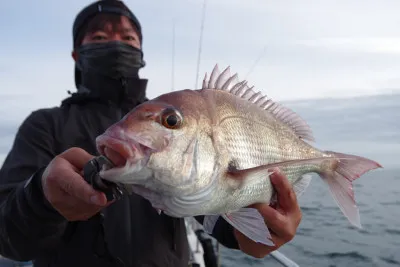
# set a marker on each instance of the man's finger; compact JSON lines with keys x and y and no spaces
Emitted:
{"x":77,"y":157}
{"x":286,"y":196}
{"x":76,"y":186}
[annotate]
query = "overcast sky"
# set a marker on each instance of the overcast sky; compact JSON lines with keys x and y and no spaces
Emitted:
{"x":308,"y":48}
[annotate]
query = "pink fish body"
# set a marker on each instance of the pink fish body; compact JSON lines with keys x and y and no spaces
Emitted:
{"x":210,"y":152}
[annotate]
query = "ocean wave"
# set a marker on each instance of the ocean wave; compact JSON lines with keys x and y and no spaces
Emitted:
{"x":390,"y":203}
{"x":390,"y":260}
{"x":393,"y":231}
{"x":352,"y":255}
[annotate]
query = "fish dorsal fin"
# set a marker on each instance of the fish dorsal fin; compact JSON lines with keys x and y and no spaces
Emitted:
{"x":224,"y":81}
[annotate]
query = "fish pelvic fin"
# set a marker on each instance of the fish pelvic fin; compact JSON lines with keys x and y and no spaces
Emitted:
{"x":340,"y":182}
{"x":229,"y":83}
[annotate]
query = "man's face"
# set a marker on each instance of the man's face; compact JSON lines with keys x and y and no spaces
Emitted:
{"x":121,"y":31}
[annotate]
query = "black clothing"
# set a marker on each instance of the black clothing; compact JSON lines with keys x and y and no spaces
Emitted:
{"x":31,"y":229}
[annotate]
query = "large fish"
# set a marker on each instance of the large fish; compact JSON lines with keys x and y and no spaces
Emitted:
{"x":210,"y":152}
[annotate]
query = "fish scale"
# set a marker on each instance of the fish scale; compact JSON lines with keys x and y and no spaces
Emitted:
{"x":216,"y":157}
{"x":250,"y":149}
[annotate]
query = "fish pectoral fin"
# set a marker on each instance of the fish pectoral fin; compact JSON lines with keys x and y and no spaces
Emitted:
{"x":250,"y":223}
{"x":258,"y":171}
{"x":248,"y":176}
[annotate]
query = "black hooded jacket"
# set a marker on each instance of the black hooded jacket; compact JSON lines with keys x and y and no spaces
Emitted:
{"x":30,"y":229}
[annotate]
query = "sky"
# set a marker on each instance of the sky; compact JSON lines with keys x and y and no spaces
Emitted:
{"x":287,"y":49}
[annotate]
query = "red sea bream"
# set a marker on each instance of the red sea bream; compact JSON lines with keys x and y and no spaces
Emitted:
{"x":210,"y":152}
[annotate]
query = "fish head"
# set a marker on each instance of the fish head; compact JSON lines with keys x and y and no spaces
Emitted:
{"x":156,"y":145}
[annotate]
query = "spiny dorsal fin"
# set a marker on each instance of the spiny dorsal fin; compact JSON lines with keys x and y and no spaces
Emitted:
{"x":224,"y":81}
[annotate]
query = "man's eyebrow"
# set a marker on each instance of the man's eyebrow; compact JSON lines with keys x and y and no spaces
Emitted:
{"x":128,"y":30}
{"x":96,"y":29}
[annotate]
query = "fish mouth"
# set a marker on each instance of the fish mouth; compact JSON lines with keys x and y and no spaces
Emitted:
{"x":121,"y":150}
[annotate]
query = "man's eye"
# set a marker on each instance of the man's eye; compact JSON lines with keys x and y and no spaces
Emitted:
{"x":99,"y":37}
{"x":130,"y":38}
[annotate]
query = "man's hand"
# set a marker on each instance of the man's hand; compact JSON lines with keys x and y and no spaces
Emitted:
{"x":67,"y":191}
{"x":281,"y":221}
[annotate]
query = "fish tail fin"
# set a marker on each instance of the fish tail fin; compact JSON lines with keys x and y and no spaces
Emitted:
{"x":340,"y":177}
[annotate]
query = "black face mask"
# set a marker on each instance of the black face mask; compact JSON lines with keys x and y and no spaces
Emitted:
{"x":114,"y":60}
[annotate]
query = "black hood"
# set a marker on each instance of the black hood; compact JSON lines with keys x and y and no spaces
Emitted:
{"x":97,"y":7}
{"x":92,"y":78}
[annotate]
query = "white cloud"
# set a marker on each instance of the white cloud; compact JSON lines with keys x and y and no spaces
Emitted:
{"x":367,"y":45}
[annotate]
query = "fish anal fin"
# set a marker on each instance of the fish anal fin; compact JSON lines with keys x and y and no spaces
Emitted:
{"x":250,"y":223}
{"x":223,"y":81}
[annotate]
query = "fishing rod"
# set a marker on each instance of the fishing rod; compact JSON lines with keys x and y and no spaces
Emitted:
{"x":200,"y":42}
{"x":173,"y":56}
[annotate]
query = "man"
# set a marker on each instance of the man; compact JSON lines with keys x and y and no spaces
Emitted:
{"x":48,"y":212}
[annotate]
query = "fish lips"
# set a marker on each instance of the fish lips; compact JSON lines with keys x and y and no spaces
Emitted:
{"x":120,"y":150}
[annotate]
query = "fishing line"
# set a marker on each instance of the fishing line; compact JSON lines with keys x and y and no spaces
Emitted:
{"x":255,"y":62}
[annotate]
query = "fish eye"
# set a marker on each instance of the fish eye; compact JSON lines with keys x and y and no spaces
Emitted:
{"x":171,"y":118}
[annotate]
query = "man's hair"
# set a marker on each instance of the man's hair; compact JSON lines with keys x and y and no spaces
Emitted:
{"x":95,"y":16}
